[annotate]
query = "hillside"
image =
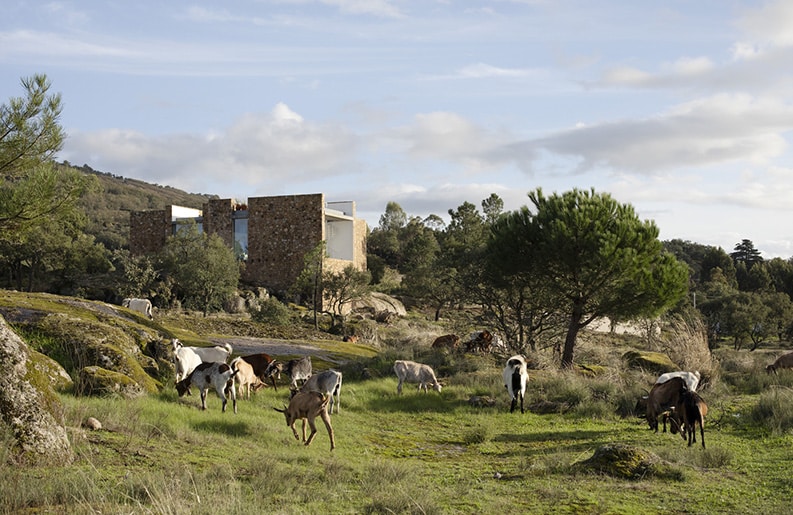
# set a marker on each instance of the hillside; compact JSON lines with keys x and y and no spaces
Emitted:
{"x":108,"y":208}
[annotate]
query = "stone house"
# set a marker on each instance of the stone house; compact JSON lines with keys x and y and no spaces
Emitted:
{"x":271,"y":234}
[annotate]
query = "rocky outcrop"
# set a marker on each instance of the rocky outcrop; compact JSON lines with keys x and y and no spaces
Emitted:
{"x":29,"y":406}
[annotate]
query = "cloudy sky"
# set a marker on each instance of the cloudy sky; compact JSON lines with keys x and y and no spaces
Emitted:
{"x":682,"y":109}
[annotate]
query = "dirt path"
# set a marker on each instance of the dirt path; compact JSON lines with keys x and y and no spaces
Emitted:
{"x":244,"y":345}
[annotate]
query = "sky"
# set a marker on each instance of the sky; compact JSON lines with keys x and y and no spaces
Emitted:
{"x":682,"y":109}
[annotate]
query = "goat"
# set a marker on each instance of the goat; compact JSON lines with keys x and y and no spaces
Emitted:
{"x":216,"y":354}
{"x":308,"y":406}
{"x":691,"y":378}
{"x":412,"y":372}
{"x":480,"y":341}
{"x":298,"y":369}
{"x":782,"y":362}
{"x":185,"y":360}
{"x":260,"y":362}
{"x":328,"y":383}
{"x":351,"y":339}
{"x":139,"y":305}
{"x":216,"y":375}
{"x":692,"y":410}
{"x":662,"y":399}
{"x":516,"y":378}
{"x":245,"y":377}
{"x":447,"y":341}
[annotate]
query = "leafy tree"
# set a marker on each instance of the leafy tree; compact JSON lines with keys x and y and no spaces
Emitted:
{"x":745,"y":252}
{"x":204,"y":270}
{"x":716,"y":257}
{"x":781,"y":273}
{"x":309,"y":282}
{"x":594,"y":255}
{"x":492,"y":208}
{"x":340,"y":288}
{"x":32,"y":190}
{"x":384,"y":240}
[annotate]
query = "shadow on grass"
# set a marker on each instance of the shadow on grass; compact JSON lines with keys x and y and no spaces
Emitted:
{"x":412,"y":402}
{"x":227,"y":427}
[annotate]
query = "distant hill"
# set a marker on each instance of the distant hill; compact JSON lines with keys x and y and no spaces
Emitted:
{"x":108,"y":209}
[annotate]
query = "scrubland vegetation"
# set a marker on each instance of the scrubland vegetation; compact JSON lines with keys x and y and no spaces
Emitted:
{"x":427,"y":453}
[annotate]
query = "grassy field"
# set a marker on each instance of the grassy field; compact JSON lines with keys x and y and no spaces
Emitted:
{"x":415,"y":453}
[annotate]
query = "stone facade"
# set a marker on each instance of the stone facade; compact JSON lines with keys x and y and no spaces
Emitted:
{"x":280,"y":229}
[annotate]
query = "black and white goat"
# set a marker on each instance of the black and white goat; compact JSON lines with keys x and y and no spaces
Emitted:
{"x":219,"y":376}
{"x":516,"y":378}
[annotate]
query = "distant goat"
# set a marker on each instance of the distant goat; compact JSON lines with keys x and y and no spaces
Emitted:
{"x":412,"y":372}
{"x":516,"y":378}
{"x":327,"y":382}
{"x":210,"y":375}
{"x":447,"y":341}
{"x":691,"y":378}
{"x":307,"y":406}
{"x":782,"y":362}
{"x":297,"y":369}
{"x":139,"y":305}
{"x":480,"y":341}
{"x":690,"y":410}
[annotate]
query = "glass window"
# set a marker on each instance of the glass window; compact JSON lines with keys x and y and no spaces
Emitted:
{"x":241,"y":238}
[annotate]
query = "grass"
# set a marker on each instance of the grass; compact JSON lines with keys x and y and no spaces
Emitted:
{"x":415,"y":453}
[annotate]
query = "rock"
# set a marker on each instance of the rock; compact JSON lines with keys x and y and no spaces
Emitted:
{"x":481,"y":401}
{"x":650,"y":361}
{"x":627,"y":462}
{"x":29,"y":406}
{"x":377,"y":302}
{"x":96,"y":380}
{"x":92,"y":424}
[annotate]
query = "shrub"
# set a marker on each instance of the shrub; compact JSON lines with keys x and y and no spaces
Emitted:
{"x":774,"y":411}
{"x":273,"y":311}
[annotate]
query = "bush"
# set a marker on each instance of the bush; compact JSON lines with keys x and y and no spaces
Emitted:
{"x":273,"y":311}
{"x":774,"y":410}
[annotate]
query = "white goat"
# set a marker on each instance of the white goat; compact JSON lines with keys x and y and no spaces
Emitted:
{"x":308,"y":406}
{"x":210,"y":375}
{"x":412,"y":372}
{"x":139,"y":305}
{"x":516,"y":378}
{"x":328,"y":383}
{"x":691,"y":378}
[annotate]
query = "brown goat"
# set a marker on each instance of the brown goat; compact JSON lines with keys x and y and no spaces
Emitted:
{"x":782,"y":362}
{"x":447,"y":341}
{"x":308,"y":406}
{"x":691,"y":409}
{"x":662,"y":400}
{"x":260,"y":362}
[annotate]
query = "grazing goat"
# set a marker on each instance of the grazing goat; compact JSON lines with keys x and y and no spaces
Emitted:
{"x":782,"y":362}
{"x":480,"y":341}
{"x":691,"y":378}
{"x":139,"y":305}
{"x":516,"y":378}
{"x":662,"y":399}
{"x":216,"y":354}
{"x":210,"y":375}
{"x":328,"y":383}
{"x":351,"y":339}
{"x":185,"y":360}
{"x":260,"y":362}
{"x":691,"y":409}
{"x":297,"y":369}
{"x":412,"y":372}
{"x":308,"y":406}
{"x":447,"y":341}
{"x":244,"y":377}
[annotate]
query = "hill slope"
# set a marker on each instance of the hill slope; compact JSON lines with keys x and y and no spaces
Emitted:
{"x":108,"y":208}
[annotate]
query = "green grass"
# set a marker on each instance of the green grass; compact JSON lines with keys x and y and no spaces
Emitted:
{"x":415,"y":453}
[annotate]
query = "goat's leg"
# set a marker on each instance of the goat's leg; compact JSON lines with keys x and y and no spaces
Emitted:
{"x":203,"y":399}
{"x":294,"y":431}
{"x":326,"y":420}
{"x":304,"y":429}
{"x":399,"y":388}
{"x":313,"y":430}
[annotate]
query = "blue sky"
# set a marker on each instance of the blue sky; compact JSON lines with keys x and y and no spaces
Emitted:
{"x":682,"y":109}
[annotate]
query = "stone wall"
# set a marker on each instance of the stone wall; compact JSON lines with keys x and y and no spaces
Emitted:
{"x":280,"y":232}
{"x":148,"y":231}
{"x":218,"y":219}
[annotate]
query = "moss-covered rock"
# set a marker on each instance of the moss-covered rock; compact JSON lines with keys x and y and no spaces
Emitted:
{"x":94,"y":380}
{"x":88,"y":343}
{"x":29,"y":406}
{"x":51,"y":371}
{"x":650,"y":361}
{"x":628,"y":462}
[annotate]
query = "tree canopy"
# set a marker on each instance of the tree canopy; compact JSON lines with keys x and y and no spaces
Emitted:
{"x":593,"y":254}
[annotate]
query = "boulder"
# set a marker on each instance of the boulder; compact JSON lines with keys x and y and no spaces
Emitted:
{"x":29,"y":406}
{"x":650,"y":361}
{"x":95,"y":380}
{"x":376,"y":302}
{"x":627,"y":462}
